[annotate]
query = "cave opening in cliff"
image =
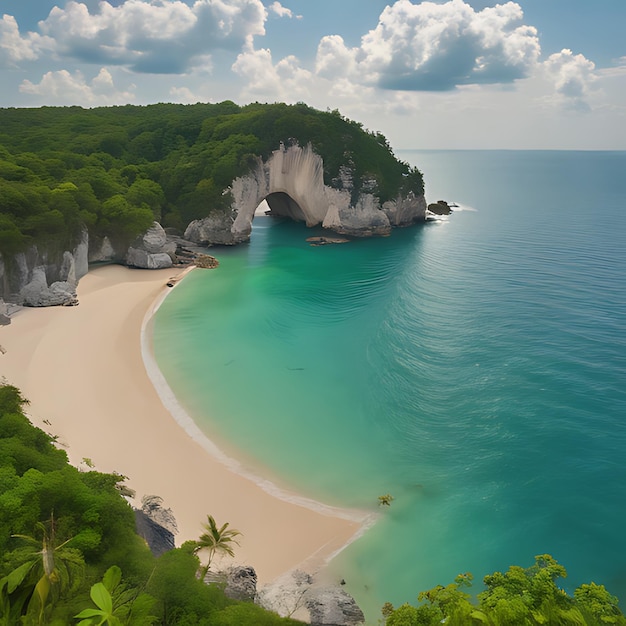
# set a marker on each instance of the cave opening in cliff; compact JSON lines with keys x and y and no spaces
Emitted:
{"x":281,"y":204}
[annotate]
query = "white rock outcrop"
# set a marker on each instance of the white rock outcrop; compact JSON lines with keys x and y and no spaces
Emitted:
{"x":151,"y":250}
{"x":38,"y":293}
{"x":45,"y":277}
{"x":292,"y":183}
{"x":299,"y":595}
{"x":216,"y":229}
{"x":102,"y":251}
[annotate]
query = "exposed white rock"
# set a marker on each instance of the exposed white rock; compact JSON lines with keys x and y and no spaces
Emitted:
{"x":404,"y":211}
{"x":299,"y":172}
{"x":299,"y":595}
{"x":215,"y":229}
{"x":38,"y":293}
{"x":20,"y":273}
{"x":81,"y":256}
{"x":332,"y":606}
{"x":153,"y":507}
{"x":67,"y":270}
{"x":102,"y":253}
{"x":245,"y":192}
{"x":286,"y":594}
{"x":364,"y":219}
{"x":151,"y":250}
{"x":5,"y":318}
{"x":292,"y":183}
{"x":154,"y":240}
{"x":241,"y":583}
{"x":144,"y":260}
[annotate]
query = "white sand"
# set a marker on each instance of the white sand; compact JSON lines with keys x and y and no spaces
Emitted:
{"x":82,"y":370}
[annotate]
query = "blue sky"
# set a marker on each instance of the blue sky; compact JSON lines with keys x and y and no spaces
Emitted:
{"x":444,"y":74}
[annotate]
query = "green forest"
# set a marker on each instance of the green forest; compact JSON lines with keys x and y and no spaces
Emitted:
{"x":115,"y":169}
{"x":70,"y":555}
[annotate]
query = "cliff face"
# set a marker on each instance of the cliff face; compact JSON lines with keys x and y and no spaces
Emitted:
{"x":292,"y":183}
{"x":44,"y":276}
{"x":48,"y":275}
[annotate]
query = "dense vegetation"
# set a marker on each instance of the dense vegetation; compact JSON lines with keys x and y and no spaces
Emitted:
{"x":115,"y":169}
{"x":518,"y":597}
{"x":70,"y":555}
{"x":68,"y":546}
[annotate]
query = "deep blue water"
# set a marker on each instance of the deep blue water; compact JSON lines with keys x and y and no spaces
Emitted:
{"x":474,"y":368}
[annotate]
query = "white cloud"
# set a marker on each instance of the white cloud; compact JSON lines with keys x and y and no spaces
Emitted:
{"x":184,"y":95}
{"x":617,"y":70}
{"x":436,"y":47}
{"x":573,"y":77}
{"x":285,"y":81}
{"x":281,"y":11}
{"x":65,"y":88}
{"x":158,"y":36}
{"x":14,"y":48}
{"x":334,"y":59}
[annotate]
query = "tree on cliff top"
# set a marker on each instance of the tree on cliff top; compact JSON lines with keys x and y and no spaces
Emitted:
{"x":113,"y":169}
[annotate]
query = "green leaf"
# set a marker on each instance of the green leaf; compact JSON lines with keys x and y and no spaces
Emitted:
{"x":90,"y":613}
{"x":16,"y":577}
{"x":42,"y":589}
{"x":102,"y":598}
{"x":112,"y":578}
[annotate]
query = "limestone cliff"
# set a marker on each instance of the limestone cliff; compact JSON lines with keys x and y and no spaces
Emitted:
{"x":47,"y":274}
{"x":44,"y":275}
{"x":292,"y":183}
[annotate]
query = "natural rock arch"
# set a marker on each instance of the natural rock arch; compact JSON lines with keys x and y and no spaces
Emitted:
{"x":281,"y":203}
{"x":292,"y":181}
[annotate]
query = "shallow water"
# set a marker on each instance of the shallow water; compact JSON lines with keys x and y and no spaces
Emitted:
{"x":474,"y":368}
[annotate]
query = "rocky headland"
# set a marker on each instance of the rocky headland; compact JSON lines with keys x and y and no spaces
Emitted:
{"x":291,"y":180}
{"x":292,"y":183}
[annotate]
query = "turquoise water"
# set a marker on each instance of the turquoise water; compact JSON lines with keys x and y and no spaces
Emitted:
{"x":474,"y":368}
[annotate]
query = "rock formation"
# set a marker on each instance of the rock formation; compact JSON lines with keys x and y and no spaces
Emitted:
{"x":292,"y":183}
{"x":159,"y":539}
{"x":301,"y":596}
{"x":332,"y":606}
{"x":151,"y":250}
{"x":441,"y":207}
{"x":5,"y":318}
{"x":44,"y":276}
{"x":48,"y":276}
{"x":156,"y":525}
{"x":241,"y":583}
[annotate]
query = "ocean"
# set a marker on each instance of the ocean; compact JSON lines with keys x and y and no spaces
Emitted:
{"x":473,"y":367}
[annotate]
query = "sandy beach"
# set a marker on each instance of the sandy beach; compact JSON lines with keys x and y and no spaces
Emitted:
{"x":82,"y":370}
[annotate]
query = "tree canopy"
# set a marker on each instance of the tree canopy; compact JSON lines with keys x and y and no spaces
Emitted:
{"x":519,"y":597}
{"x":115,"y":169}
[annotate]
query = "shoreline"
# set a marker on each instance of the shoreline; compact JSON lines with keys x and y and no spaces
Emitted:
{"x":188,"y":424}
{"x":106,"y":400}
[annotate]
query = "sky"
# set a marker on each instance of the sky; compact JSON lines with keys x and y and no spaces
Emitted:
{"x":444,"y":74}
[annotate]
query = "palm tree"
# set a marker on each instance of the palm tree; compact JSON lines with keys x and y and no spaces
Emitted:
{"x":45,"y":568}
{"x":215,"y":540}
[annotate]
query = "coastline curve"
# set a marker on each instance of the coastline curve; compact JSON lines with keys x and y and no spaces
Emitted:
{"x":364,"y":519}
